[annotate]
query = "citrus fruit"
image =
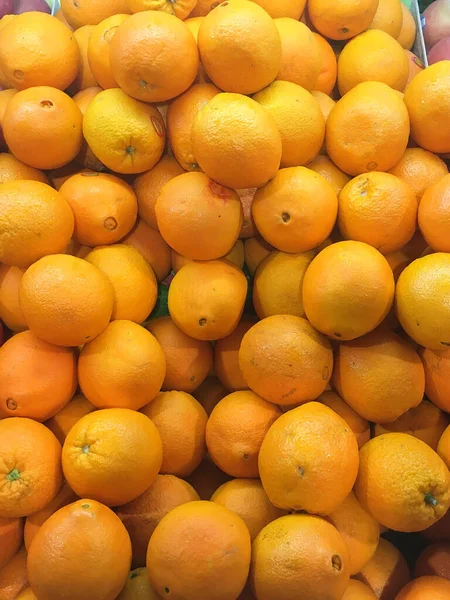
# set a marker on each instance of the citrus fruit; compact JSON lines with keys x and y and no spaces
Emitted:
{"x":433,"y":560}
{"x":11,"y":536}
{"x":322,"y":165}
{"x":420,"y":169}
{"x":99,"y":49}
{"x":357,"y":590}
{"x":13,"y":576}
{"x":389,"y":17}
{"x":434,"y":215}
{"x":426,"y":588}
{"x":61,"y":423}
{"x":12,"y":169}
{"x":180,"y":8}
{"x":226,"y":357}
{"x":341,"y":20}
{"x":138,"y":587}
{"x":255,"y":251}
{"x":91,"y":12}
{"x":407,"y":35}
{"x":152,"y":246}
{"x":328,"y":71}
{"x":282,"y":8}
{"x":359,"y":425}
{"x":209,"y":393}
{"x":207,"y":478}
{"x":85,"y":78}
{"x":437,"y":371}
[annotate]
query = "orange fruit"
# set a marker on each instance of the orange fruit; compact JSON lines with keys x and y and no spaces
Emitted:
{"x":58,"y":176}
{"x":434,"y":215}
{"x":433,"y":560}
{"x":141,"y":516}
{"x":296,"y":211}
{"x":203,"y":7}
{"x":420,"y":169}
{"x":443,"y":448}
{"x":356,"y":290}
{"x":35,"y":221}
{"x":42,"y":127}
{"x":193,"y":25}
{"x":138,"y":587}
{"x":99,"y":49}
{"x":105,"y":448}
{"x":282,"y":8}
{"x":341,"y":20}
{"x":124,"y":367}
{"x":55,"y":568}
{"x":142,"y":54}
{"x":328,"y":71}
{"x":13,"y":576}
{"x":247,"y":498}
{"x":298,"y":118}
{"x":197,"y":217}
{"x":255,"y":250}
{"x":12,"y":169}
{"x":152,"y":246}
{"x":389,"y":17}
{"x":357,"y":424}
{"x":61,"y":423}
{"x":248,"y":226}
{"x":180,"y":8}
{"x":301,"y":57}
{"x":11,"y":536}
{"x":107,"y":116}
{"x":224,"y":119}
{"x":208,"y":543}
{"x":235,"y":431}
{"x":426,"y":588}
{"x":437,"y":372}
{"x":427,"y":100}
{"x":207,"y":478}
{"x":209,"y":393}
{"x":402,"y":482}
{"x":300,"y":465}
{"x":357,"y":590}
{"x":91,"y":12}
{"x":368,"y":129}
{"x":323,"y":166}
{"x":226,"y":357}
{"x":206,"y":300}
{"x":415,"y":65}
{"x":148,"y":186}
{"x":5,"y":97}
{"x":236,"y":254}
{"x":407,"y":35}
{"x":372,"y":56}
{"x":32,"y":475}
{"x":38,"y":378}
{"x":284,"y":360}
{"x":60,"y":16}
{"x":236,"y":64}
{"x":10,"y":311}
{"x":85,"y":78}
{"x":299,"y":555}
{"x":66,"y":301}
{"x":398,"y":261}
{"x":421,"y":301}
{"x":31,"y":48}
{"x":181,"y":422}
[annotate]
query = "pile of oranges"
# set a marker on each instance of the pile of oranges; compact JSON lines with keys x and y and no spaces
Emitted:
{"x":224,"y":303}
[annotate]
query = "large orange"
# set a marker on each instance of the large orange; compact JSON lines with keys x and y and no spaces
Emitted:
{"x":66,"y":418}
{"x":124,"y":367}
{"x":107,"y":447}
{"x":13,"y":576}
{"x":328,"y":71}
{"x":235,"y":431}
{"x":209,"y":544}
{"x":437,"y":373}
{"x":42,"y":127}
{"x":11,"y":537}
{"x":91,"y":12}
{"x":341,"y":20}
{"x":329,"y":171}
{"x":426,"y":588}
{"x":84,"y":79}
{"x":31,"y":48}
{"x":141,"y":516}
{"x":226,"y":118}
{"x":12,"y":169}
{"x":433,"y":560}
{"x":152,"y":246}
{"x":434,"y":215}
{"x":58,"y":564}
{"x":31,"y":473}
{"x":255,"y":251}
{"x":299,"y":556}
{"x":389,"y":17}
{"x":357,"y":590}
{"x":99,"y":49}
{"x":420,"y":169}
{"x":359,"y":425}
{"x":407,"y":35}
{"x":368,"y":129}
{"x":65,"y":300}
{"x":143,"y":52}
{"x":197,"y":217}
{"x":226,"y":357}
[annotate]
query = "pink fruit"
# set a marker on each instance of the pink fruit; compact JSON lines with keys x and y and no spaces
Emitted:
{"x":440,"y":51}
{"x":437,"y":22}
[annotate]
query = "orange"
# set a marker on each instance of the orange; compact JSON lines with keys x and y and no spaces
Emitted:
{"x":357,"y":424}
{"x":11,"y":536}
{"x":207,"y":479}
{"x":148,"y":186}
{"x":236,"y":254}
{"x":328,"y":71}
{"x":31,"y":473}
{"x":138,"y":587}
{"x":58,"y":176}
{"x":296,"y":211}
{"x":284,"y":360}
{"x":61,"y":423}
{"x":85,"y":78}
{"x":35,"y":221}
{"x":328,"y":170}
{"x":197,"y":217}
{"x":299,"y":555}
{"x":12,"y":169}
{"x":142,"y":54}
{"x":13,"y":576}
{"x":209,"y":544}
{"x":42,"y":127}
{"x":152,"y":246}
{"x":426,"y":588}
{"x":124,"y":367}
{"x":372,"y":56}
{"x":58,"y":563}
{"x":194,"y":24}
{"x":355,"y":292}
{"x":60,"y":16}
{"x":402,"y":482}
{"x":420,"y":169}
{"x":181,"y":422}
{"x":427,"y":100}
{"x":31,"y":48}
{"x":368,"y":129}
{"x":10,"y":311}
{"x":277,"y":285}
{"x":299,"y":120}
{"x":421,"y":301}
{"x":203,"y":7}
{"x":255,"y":250}
{"x":5,"y":97}
{"x":282,"y":8}
{"x":180,"y":118}
{"x":230,"y":117}
{"x":301,"y":57}
{"x":415,"y":65}
{"x":309,"y":460}
{"x":107,"y":116}
{"x":358,"y":591}
{"x":437,"y":372}
{"x":433,"y":560}
{"x":434,"y":215}
{"x":235,"y":431}
{"x":107,"y":447}
{"x":135,"y":295}
{"x":247,"y":498}
{"x":206,"y":300}
{"x":443,"y":448}
{"x":209,"y":393}
{"x":99,"y":49}
{"x":341,"y":20}
{"x":91,"y":12}
{"x":180,"y":8}
{"x":389,"y":17}
{"x":141,"y":516}
{"x":248,"y":226}
{"x":226,"y":357}
{"x":243,"y":65}
{"x":407,"y":35}
{"x":65,"y":300}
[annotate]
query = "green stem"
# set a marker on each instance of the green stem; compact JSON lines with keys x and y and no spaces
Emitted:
{"x":430,"y":499}
{"x":14,"y":475}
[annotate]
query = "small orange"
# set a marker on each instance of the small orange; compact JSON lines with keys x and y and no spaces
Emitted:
{"x":13,"y":576}
{"x":255,"y":250}
{"x":10,"y":311}
{"x":389,"y":17}
{"x":85,"y":78}
{"x":209,"y":393}
{"x":433,"y":560}
{"x":434,"y":215}
{"x":5,"y":97}
{"x":357,"y":590}
{"x":329,"y":171}
{"x":420,"y":169}
{"x":152,"y":246}
{"x":341,"y":20}
{"x":226,"y":357}
{"x":91,"y":12}
{"x":12,"y":169}
{"x":359,"y":425}
{"x":207,"y":479}
{"x":437,"y":373}
{"x":11,"y":537}
{"x":328,"y":71}
{"x":138,"y":587}
{"x":61,"y":423}
{"x":99,"y":49}
{"x":426,"y":588}
{"x":407,"y":35}
{"x":180,"y":8}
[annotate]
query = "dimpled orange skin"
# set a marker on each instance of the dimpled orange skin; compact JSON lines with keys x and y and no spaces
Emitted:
{"x":359,"y":426}
{"x":368,"y":129}
{"x":420,"y":169}
{"x":299,"y":556}
{"x":356,"y":290}
{"x":402,"y":482}
{"x":341,"y":21}
{"x":422,"y":301}
{"x":430,"y":587}
{"x":434,"y":215}
{"x":209,"y":544}
{"x":437,"y":376}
